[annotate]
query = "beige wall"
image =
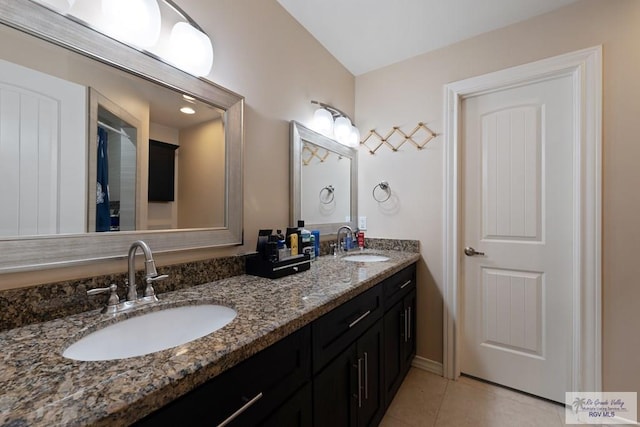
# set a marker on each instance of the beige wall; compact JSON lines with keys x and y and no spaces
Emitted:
{"x":200,"y":159}
{"x":412,"y":91}
{"x":266,"y":56}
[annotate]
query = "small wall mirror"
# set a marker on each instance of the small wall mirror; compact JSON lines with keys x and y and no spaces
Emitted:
{"x":71,"y":97}
{"x":324,"y":174}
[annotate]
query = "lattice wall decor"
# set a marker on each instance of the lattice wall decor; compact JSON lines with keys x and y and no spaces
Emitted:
{"x":311,"y":151}
{"x":396,"y":138}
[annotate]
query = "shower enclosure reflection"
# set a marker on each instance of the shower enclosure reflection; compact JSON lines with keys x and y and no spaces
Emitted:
{"x":116,"y":173}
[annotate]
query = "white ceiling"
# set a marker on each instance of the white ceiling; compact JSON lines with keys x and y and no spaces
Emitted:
{"x":368,"y":34}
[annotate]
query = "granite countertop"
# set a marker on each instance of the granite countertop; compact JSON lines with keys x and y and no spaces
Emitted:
{"x":40,"y":387}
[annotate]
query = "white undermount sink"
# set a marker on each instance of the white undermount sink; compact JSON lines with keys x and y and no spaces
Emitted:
{"x":151,"y":332}
{"x":365,"y":258}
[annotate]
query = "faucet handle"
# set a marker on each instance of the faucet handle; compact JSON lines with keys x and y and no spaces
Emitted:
{"x":149,"y":291}
{"x":113,"y":297}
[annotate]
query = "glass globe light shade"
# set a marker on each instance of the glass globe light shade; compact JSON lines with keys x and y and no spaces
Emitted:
{"x":353,"y":140}
{"x":190,"y":49}
{"x":134,"y":22}
{"x":342,"y":130}
{"x":323,"y":122}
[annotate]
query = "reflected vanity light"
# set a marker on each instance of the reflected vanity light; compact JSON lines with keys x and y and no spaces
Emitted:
{"x":335,"y":124}
{"x":139,"y":23}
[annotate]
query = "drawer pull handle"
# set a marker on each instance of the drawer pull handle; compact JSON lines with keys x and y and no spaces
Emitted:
{"x":355,"y":322}
{"x":366,"y":376}
{"x":405,"y":284}
{"x":406,"y":327}
{"x":241,"y":410}
{"x":359,"y":383}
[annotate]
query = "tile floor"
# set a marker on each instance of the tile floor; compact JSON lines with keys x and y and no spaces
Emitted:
{"x":425,"y":399}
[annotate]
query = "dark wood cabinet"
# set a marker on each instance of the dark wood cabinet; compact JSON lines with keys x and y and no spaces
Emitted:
{"x":296,"y":412}
{"x":399,"y":330}
{"x":262,"y":389}
{"x":341,"y":370}
{"x":370,"y":399}
{"x":335,"y":331}
{"x":333,"y":398}
{"x":348,"y":392}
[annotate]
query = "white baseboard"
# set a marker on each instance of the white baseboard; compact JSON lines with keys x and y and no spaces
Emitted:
{"x":427,"y":365}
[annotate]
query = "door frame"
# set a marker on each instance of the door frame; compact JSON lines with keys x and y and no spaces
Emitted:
{"x":585,"y":69}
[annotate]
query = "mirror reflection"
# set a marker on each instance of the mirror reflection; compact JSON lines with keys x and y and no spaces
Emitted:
{"x":324,"y":179}
{"x":74,"y":138}
{"x":116,"y":173}
{"x":324,"y":175}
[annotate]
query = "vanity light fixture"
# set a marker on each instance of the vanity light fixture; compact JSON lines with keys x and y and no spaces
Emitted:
{"x":335,"y":124}
{"x":134,"y":22}
{"x":140,"y":24}
{"x":190,"y":49}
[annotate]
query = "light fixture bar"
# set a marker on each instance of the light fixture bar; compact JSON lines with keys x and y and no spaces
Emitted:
{"x":184,"y":15}
{"x":333,"y":110}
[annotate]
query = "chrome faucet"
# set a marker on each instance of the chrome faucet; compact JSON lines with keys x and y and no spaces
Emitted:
{"x":339,"y":246}
{"x":151,"y":274}
{"x":114,"y":304}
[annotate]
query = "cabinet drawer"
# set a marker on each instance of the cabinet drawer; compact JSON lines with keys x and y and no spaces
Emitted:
{"x":399,"y":285}
{"x":260,"y":384}
{"x":336,"y":330}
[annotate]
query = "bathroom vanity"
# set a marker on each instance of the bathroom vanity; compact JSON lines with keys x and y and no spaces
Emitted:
{"x":338,"y":336}
{"x":342,"y":369}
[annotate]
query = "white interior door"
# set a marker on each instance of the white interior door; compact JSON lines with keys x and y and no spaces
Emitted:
{"x":43,"y":153}
{"x":518,"y":182}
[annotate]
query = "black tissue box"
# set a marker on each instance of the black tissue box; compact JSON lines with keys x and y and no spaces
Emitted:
{"x":258,"y":266}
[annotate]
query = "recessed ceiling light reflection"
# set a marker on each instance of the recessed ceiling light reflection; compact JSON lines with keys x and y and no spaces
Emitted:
{"x":189,"y":98}
{"x":187,"y":110}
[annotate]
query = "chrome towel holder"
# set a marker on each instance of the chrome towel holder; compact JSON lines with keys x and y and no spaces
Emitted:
{"x":330,"y":194}
{"x":384,"y":187}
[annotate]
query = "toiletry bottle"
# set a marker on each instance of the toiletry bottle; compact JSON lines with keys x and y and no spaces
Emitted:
{"x":282,"y":245}
{"x":348,"y":241}
{"x":316,"y":241}
{"x":305,"y":243}
{"x":361,"y":240}
{"x":292,"y":242}
{"x":312,"y":248}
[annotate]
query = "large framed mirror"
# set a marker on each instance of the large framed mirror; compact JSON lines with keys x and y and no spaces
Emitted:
{"x":323,"y":181}
{"x":70,"y":95}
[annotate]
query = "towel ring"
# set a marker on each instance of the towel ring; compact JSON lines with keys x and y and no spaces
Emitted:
{"x":384,"y":186}
{"x":329,"y":196}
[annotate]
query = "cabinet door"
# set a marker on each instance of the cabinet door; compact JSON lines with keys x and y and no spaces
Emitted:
{"x":296,"y":412}
{"x":334,"y":400}
{"x":370,"y":397}
{"x":394,"y":344}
